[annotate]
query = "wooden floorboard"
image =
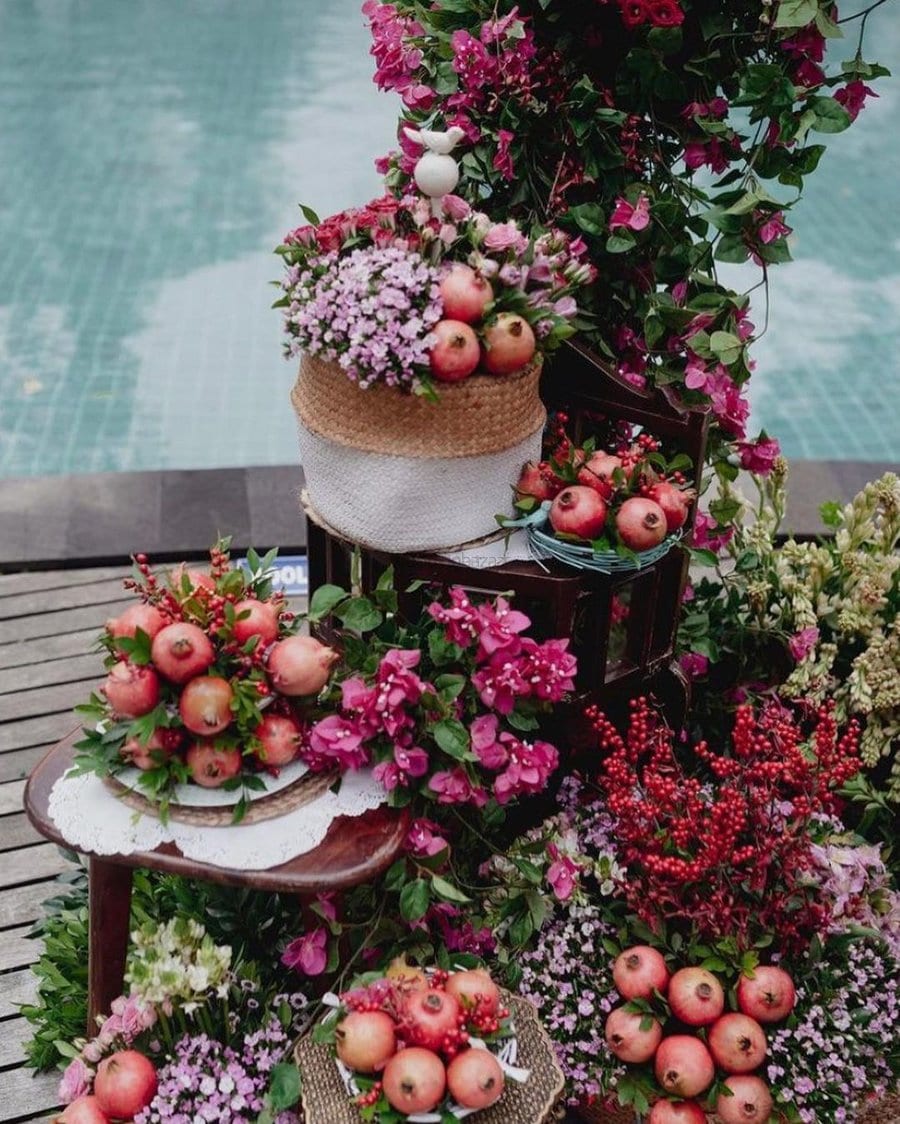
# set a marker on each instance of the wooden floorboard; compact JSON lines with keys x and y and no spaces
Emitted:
{"x":15,"y":832}
{"x":38,"y":651}
{"x":30,"y":581}
{"x":68,"y":669}
{"x":60,"y":600}
{"x":14,"y":1033}
{"x":44,"y":700}
{"x":62,"y":621}
{"x":14,"y":766}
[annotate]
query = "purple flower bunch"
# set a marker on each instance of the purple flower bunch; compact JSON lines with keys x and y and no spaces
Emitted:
{"x":568,"y":978}
{"x":372,"y":312}
{"x":857,"y":888}
{"x":842,"y":1042}
{"x":206,"y":1080}
{"x":443,"y":734}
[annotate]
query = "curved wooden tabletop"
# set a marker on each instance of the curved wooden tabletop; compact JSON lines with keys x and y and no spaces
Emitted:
{"x":356,"y":849}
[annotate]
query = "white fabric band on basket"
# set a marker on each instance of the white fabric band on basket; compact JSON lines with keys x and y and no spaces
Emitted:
{"x":91,"y":818}
{"x":408,"y":504}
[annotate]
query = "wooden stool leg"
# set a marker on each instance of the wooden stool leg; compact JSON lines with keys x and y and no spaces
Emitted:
{"x":109,"y":911}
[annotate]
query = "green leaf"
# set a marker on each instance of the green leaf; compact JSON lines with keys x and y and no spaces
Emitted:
{"x":359,"y":615}
{"x":796,"y":13}
{"x":726,"y":347}
{"x":830,"y":115}
{"x":415,"y":898}
{"x":732,"y":248}
{"x":284,"y":1086}
{"x":310,"y":215}
{"x":447,"y":890}
{"x":326,"y":598}
{"x":452,"y":737}
{"x":831,"y":513}
{"x":620,"y":243}
{"x":589,"y":217}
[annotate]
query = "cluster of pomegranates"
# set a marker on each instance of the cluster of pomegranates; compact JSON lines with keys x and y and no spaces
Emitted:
{"x":412,"y":1031}
{"x":219,"y":669}
{"x":125,"y":1083}
{"x":621,"y":497}
{"x":701,"y":1039}
{"x":466,"y":341}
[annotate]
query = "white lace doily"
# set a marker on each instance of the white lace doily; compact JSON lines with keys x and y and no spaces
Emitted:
{"x":91,"y":818}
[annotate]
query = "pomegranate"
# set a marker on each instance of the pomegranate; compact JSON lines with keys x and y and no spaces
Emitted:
{"x":182,"y":651}
{"x":125,"y":1083}
{"x":414,"y":1080}
{"x":365,"y":1040}
{"x":211,"y":765}
{"x":683,"y":1066}
{"x":641,"y":523}
{"x":578,"y":511}
{"x":261,"y":620}
{"x":300,"y":665}
{"x":475,"y":1079}
{"x":508,"y":344}
{"x":279,"y":737}
{"x":428,"y":1017}
{"x":205,"y":705}
{"x":84,"y":1110}
{"x":676,"y":1112}
{"x":534,"y":483}
{"x":465,"y":294}
{"x":157,"y":749}
{"x":199,"y":581}
{"x":626,"y":1038}
{"x":674,"y":502}
{"x":131,"y":690}
{"x":474,"y":988}
{"x":407,"y":977}
{"x":737,"y":1043}
{"x":455,"y":353}
{"x":598,"y":471}
{"x":639,"y":971}
{"x":750,"y":1101}
{"x":768,"y":995}
{"x":144,"y":617}
{"x":696,"y":996}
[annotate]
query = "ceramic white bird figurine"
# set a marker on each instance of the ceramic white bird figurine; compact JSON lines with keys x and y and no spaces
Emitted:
{"x":436,"y":172}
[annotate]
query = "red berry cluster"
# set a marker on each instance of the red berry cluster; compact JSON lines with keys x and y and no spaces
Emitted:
{"x":725,"y":846}
{"x":372,"y":1097}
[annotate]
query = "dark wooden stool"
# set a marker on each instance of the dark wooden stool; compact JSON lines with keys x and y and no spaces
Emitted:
{"x":356,"y":849}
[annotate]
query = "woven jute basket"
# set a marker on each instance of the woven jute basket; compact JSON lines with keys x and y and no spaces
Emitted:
{"x":325,"y":1099}
{"x":396,"y":472}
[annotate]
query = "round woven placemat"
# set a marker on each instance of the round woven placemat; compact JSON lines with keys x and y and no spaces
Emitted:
{"x":884,"y":1110}
{"x":325,"y":1099}
{"x":269,"y":807}
{"x":482,"y":414}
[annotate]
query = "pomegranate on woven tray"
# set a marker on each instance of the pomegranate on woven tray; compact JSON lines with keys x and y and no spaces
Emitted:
{"x":422,"y":327}
{"x":206,"y":684}
{"x":419,"y":1042}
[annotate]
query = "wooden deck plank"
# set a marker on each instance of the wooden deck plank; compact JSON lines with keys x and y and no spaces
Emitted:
{"x":55,"y":600}
{"x":22,"y":1096}
{"x":22,"y":904}
{"x":46,"y":700}
{"x":49,"y":674}
{"x":14,"y":1033}
{"x":27,"y":864}
{"x":11,"y":797}
{"x":17,"y":950}
{"x":36,"y":731}
{"x":15,"y":766}
{"x":62,"y":621}
{"x":16,"y":831}
{"x":45,"y":648}
{"x":28,"y":581}
{"x":16,"y":988}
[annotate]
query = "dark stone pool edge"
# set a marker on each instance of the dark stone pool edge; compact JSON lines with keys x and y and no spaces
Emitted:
{"x":99,"y":519}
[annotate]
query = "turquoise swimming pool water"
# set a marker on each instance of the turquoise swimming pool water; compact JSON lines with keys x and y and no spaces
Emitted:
{"x":153,"y":152}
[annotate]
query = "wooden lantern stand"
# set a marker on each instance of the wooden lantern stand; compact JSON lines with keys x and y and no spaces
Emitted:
{"x":622,"y":626}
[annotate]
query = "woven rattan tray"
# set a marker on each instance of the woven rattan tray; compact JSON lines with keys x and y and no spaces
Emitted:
{"x":325,"y":1100}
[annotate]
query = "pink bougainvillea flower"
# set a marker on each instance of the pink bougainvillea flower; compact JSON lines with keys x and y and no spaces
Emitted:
{"x":853,"y":97}
{"x":562,"y":874}
{"x":773,"y":226}
{"x":759,"y":456}
{"x":499,"y":627}
{"x":461,"y":617}
{"x":339,"y":739}
{"x":802,"y":643}
{"x":693,"y":664}
{"x":503,"y":161}
{"x":454,"y":787}
{"x":708,"y":536}
{"x":632,"y":217}
{"x":308,"y":953}
{"x":485,"y":745}
{"x":634,"y":12}
{"x":665,"y":13}
{"x":424,"y":839}
{"x":529,"y":768}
